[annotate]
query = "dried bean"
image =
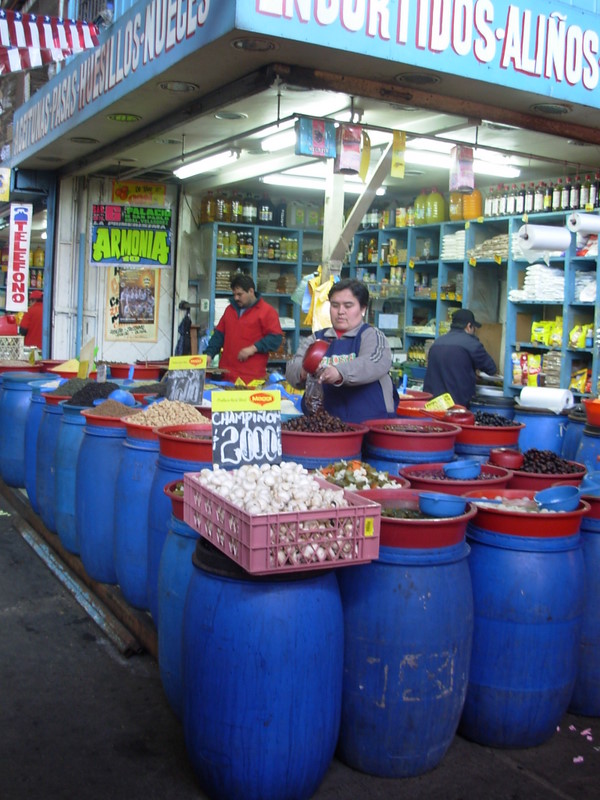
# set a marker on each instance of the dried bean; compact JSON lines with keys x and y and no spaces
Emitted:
{"x":492,"y":420}
{"x":319,"y":422}
{"x":547,"y":462}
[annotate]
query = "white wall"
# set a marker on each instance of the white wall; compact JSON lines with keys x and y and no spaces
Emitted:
{"x":75,"y":200}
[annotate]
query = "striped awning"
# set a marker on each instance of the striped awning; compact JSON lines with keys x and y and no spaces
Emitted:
{"x":28,"y":40}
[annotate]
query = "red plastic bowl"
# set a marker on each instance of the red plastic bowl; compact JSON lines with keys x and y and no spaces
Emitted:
{"x":387,"y":434}
{"x":530,"y":524}
{"x":541,"y":480}
{"x":187,"y":449}
{"x":416,"y":533}
{"x":505,"y":457}
{"x":490,"y":435}
{"x":314,"y":354}
{"x":344,"y":444}
{"x":140,"y":371}
{"x":415,"y":394}
{"x":416,"y":474}
{"x":592,"y":410}
{"x":176,"y":499}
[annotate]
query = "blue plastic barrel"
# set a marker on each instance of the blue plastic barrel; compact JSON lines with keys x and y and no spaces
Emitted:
{"x":32,"y":427}
{"x":528,"y":590}
{"x":588,"y":450}
{"x":586,"y":694}
{"x":541,"y":426}
{"x":176,"y":456}
{"x":504,"y":406}
{"x":174,"y":576}
{"x":262,"y":676}
{"x":132,"y":497}
{"x":408,"y":626}
{"x":576,"y":420}
{"x":70,"y":436}
{"x":14,"y":408}
{"x":46,"y":461}
{"x":95,"y":486}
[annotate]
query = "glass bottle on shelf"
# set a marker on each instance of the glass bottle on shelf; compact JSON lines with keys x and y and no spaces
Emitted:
{"x":565,"y":195}
{"x":502,"y":191}
{"x":538,"y":198}
{"x":207,"y":208}
{"x":548,"y":188}
{"x":520,"y":200}
{"x":575,"y":192}
{"x":557,"y":195}
{"x":511,"y":200}
{"x":529,"y":194}
{"x":584,"y":192}
{"x":236,"y":207}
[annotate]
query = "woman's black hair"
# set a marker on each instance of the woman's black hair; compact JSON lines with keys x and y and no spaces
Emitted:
{"x":358,"y":289}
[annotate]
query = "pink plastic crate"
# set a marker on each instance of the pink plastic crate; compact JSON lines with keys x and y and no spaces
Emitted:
{"x":287,"y":541}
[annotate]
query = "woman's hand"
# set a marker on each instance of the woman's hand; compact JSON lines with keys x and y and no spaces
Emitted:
{"x":330,"y":375}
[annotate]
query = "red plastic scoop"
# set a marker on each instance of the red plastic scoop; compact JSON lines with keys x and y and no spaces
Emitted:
{"x":314,"y":354}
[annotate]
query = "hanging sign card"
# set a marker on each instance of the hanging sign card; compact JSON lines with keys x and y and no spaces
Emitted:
{"x":185,"y":379}
{"x":246,"y":427}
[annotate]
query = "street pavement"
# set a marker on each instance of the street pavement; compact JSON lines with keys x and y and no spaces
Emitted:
{"x":79,"y":720}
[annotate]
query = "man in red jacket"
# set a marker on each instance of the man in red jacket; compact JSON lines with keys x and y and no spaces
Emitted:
{"x":248,"y":331}
{"x":31,"y":324}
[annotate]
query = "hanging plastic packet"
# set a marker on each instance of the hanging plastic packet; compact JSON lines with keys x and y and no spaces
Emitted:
{"x":313,"y":396}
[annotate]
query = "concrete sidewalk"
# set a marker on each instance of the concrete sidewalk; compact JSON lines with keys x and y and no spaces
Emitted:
{"x":80,"y":721}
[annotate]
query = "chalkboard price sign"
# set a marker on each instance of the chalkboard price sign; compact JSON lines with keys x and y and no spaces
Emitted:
{"x":246,"y":428}
{"x":185,"y":379}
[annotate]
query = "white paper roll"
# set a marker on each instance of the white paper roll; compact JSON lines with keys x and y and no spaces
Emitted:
{"x":584,"y":223}
{"x":544,"y":237}
{"x":555,"y":400}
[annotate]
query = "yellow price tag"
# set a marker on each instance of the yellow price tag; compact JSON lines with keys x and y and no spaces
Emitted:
{"x":440,"y":403}
{"x":442,"y":296}
{"x":525,"y":218}
{"x":498,"y":259}
{"x":369,"y":527}
{"x":451,"y":296}
{"x":433,"y":295}
{"x":472,"y":262}
{"x":411,"y":264}
{"x":467,"y":225}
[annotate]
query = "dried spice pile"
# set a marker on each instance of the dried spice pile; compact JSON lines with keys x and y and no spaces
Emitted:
{"x":169,"y":412}
{"x":91,"y":391}
{"x":110,"y":408}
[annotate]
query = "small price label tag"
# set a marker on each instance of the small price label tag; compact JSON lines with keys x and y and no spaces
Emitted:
{"x":467,"y":225}
{"x":498,"y":259}
{"x":246,"y":427}
{"x":411,"y":264}
{"x":185,"y":379}
{"x":472,"y":262}
{"x":369,"y":527}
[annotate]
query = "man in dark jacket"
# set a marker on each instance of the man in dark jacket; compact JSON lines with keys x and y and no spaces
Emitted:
{"x":454,"y":358}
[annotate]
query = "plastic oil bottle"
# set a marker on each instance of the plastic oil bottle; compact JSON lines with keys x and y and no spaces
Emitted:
{"x":435,"y":207}
{"x":420,"y":205}
{"x":455,"y":210}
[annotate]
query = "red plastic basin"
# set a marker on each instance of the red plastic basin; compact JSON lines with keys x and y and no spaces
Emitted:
{"x":345,"y":444}
{"x":541,"y":480}
{"x":416,"y":533}
{"x":418,"y":476}
{"x":173,"y":445}
{"x":527,"y":523}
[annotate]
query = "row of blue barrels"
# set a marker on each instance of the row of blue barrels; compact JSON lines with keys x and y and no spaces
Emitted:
{"x":204,"y":650}
{"x":98,"y":489}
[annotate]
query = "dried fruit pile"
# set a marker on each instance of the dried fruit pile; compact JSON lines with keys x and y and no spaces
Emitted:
{"x":320,"y":422}
{"x":547,"y":462}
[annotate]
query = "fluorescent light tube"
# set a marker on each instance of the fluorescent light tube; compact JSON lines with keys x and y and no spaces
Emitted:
{"x":279,"y":141}
{"x":316,"y":184}
{"x":207,"y":164}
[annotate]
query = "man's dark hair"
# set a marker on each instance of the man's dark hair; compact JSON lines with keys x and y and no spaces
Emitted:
{"x":358,"y":289}
{"x":242,"y":281}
